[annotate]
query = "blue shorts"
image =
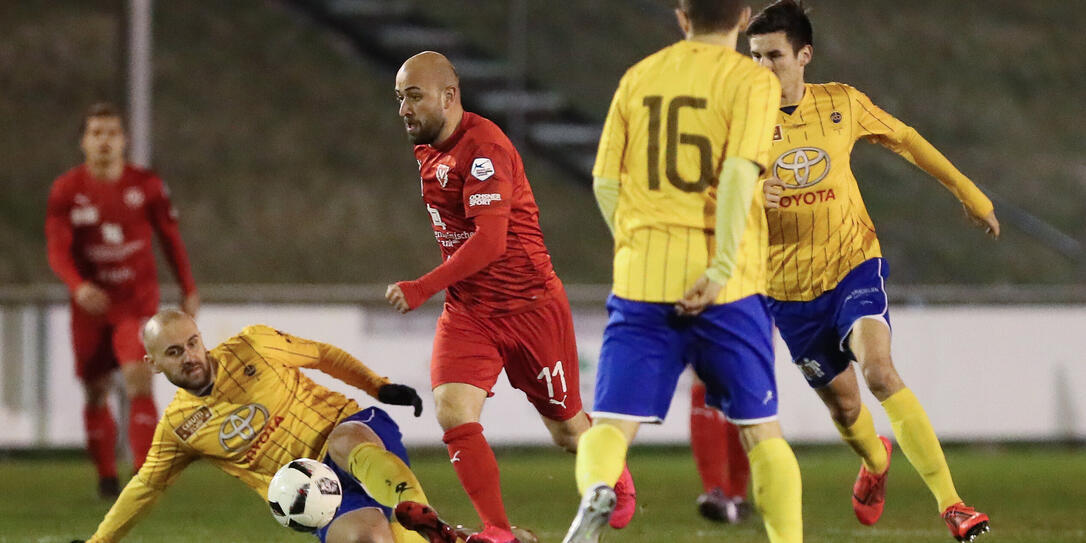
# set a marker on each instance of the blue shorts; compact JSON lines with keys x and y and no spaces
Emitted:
{"x":816,"y":332}
{"x":354,"y":496}
{"x":646,"y":346}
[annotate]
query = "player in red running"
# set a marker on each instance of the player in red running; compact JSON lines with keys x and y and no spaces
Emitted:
{"x":505,"y":307}
{"x":98,"y":228}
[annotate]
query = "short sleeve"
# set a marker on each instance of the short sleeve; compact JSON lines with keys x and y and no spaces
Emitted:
{"x":751,"y":117}
{"x":489,"y":176}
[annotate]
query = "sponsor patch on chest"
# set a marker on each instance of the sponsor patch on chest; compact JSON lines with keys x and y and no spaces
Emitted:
{"x":193,"y":423}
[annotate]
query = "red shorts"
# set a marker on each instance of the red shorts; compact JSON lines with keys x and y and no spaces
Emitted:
{"x":102,"y":343}
{"x":537,"y":348}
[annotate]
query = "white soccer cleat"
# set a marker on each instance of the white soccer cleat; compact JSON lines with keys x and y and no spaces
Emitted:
{"x":592,"y":515}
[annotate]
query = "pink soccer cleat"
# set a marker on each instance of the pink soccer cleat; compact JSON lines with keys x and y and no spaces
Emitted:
{"x":626,"y":501}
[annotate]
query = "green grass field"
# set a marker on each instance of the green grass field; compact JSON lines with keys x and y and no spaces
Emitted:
{"x":1033,"y":494}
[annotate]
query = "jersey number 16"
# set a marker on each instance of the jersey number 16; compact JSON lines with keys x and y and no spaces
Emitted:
{"x":673,"y":140}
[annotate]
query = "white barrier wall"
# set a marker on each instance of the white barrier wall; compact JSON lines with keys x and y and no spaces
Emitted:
{"x":982,"y":372}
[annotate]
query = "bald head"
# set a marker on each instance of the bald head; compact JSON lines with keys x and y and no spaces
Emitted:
{"x":430,"y":67}
{"x":428,"y":90}
{"x":156,"y":324}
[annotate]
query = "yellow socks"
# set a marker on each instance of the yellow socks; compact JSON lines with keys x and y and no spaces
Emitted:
{"x":384,"y":476}
{"x":778,"y":490}
{"x":862,"y":438}
{"x":601,"y":455}
{"x":917,"y":440}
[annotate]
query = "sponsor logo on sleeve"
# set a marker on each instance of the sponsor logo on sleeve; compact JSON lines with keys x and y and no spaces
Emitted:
{"x":778,"y":133}
{"x":482,"y":168}
{"x":483,"y":199}
{"x":193,"y":423}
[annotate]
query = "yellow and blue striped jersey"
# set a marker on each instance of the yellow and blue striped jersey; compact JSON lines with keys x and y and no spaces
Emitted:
{"x":676,"y":116}
{"x":261,"y":413}
{"x":822,"y":229}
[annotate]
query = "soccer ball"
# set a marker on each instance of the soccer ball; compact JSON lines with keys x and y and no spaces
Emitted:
{"x":304,"y":495}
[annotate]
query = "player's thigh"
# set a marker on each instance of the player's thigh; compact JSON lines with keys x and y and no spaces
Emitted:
{"x":91,"y":345}
{"x":640,"y":360}
{"x":366,"y":525}
{"x":464,"y":352}
{"x":813,"y":342}
{"x":539,"y":348}
{"x":732,"y":353}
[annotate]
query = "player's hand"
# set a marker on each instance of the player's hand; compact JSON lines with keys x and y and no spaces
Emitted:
{"x":191,"y":304}
{"x":773,"y":188}
{"x":92,"y":299}
{"x":394,"y":394}
{"x":988,"y":222}
{"x":703,"y":293}
{"x":396,"y":299}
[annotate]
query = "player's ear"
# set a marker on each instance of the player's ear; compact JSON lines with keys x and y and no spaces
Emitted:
{"x":805,"y":54}
{"x":683,"y":20}
{"x":744,"y":19}
{"x":150,"y":361}
{"x":448,"y":97}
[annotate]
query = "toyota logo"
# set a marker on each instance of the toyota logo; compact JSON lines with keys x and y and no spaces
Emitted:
{"x":802,"y":167}
{"x":242,"y":425}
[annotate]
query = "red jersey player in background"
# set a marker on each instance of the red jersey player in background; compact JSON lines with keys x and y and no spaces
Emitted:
{"x":98,"y":229}
{"x":505,"y":306}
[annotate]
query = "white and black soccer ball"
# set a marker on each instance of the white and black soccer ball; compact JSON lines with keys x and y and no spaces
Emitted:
{"x":304,"y":495}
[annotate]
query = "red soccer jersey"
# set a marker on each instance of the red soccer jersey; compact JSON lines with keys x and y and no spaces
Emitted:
{"x":475,"y":172}
{"x":101,"y":231}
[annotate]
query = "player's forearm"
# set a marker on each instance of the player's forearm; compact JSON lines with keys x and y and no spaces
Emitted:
{"x":606,"y":191}
{"x":58,"y":248}
{"x":486,"y":245}
{"x":341,"y":365}
{"x":734,"y":196}
{"x":133,"y":503}
{"x":174,"y":247}
{"x":919,"y":151}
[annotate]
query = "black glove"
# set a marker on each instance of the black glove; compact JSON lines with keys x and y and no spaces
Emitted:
{"x":400,"y":395}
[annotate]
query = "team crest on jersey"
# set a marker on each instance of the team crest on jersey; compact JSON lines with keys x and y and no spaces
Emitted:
{"x":778,"y":133}
{"x":442,"y":173}
{"x":835,"y":117}
{"x":482,"y":168}
{"x":133,"y":197}
{"x":802,"y":167}
{"x":193,"y":423}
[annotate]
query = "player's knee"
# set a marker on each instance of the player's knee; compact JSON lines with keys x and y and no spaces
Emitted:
{"x":345,"y":437}
{"x":137,"y":379}
{"x":96,"y":392}
{"x":881,"y":377}
{"x":566,"y":438}
{"x":845,"y":410}
{"x":363,"y":534}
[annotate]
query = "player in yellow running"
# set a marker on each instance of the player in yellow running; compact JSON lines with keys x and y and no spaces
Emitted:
{"x":676,"y":178}
{"x":827,"y":273}
{"x":245,"y":407}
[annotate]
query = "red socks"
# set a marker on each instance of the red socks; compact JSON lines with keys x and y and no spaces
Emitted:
{"x":719,"y":456}
{"x":142,"y":419}
{"x":101,"y":439}
{"x":475,"y":465}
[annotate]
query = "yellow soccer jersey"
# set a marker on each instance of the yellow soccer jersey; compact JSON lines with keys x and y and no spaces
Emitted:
{"x":822,"y":229}
{"x":262,"y":412}
{"x":675,"y":117}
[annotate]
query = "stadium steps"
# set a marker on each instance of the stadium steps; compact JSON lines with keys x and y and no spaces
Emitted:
{"x":389,"y":31}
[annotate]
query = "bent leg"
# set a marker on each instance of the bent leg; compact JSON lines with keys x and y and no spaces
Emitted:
{"x":356,"y":448}
{"x":566,"y":433}
{"x":870,"y":341}
{"x":853,"y":420}
{"x":778,"y":488}
{"x":367,"y":525}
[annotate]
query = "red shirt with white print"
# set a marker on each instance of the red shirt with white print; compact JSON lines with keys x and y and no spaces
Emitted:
{"x":475,"y":176}
{"x":101,"y":231}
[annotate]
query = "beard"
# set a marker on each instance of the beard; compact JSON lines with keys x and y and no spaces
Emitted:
{"x":426,"y":133}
